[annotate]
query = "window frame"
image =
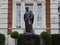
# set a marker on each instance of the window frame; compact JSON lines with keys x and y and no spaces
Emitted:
{"x":40,"y":16}
{"x":16,"y":16}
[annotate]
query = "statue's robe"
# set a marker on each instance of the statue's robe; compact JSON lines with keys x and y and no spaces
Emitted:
{"x":28,"y":18}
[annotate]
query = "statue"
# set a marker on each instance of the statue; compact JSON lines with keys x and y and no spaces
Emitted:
{"x":28,"y":18}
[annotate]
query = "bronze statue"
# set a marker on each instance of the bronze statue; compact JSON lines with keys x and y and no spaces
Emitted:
{"x":28,"y":18}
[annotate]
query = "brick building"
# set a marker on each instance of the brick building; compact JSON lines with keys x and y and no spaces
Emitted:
{"x":46,"y":16}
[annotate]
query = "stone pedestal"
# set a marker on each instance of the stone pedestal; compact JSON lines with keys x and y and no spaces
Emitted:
{"x":29,"y":38}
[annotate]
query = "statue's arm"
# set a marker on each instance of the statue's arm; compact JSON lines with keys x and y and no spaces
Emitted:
{"x":25,"y":17}
{"x":33,"y":19}
{"x":32,"y":15}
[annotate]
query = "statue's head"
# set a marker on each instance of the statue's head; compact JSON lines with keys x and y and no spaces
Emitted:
{"x":26,"y":8}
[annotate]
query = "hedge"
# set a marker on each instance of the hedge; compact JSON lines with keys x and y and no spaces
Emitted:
{"x":37,"y":40}
{"x":55,"y":39}
{"x":46,"y":38}
{"x":14,"y":34}
{"x":20,"y":39}
{"x":2,"y":39}
{"x":49,"y":39}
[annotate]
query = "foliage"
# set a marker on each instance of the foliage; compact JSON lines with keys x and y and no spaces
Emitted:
{"x":55,"y":39}
{"x":46,"y":37}
{"x":20,"y":39}
{"x":14,"y":34}
{"x":2,"y":39}
{"x":37,"y":40}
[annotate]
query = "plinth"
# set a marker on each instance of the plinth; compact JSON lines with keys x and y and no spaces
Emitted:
{"x":29,"y":38}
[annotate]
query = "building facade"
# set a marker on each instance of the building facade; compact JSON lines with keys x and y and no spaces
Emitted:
{"x":46,"y":16}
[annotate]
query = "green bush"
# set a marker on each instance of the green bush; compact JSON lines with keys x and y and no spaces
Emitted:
{"x":2,"y":39}
{"x":37,"y":40}
{"x":14,"y":34}
{"x":46,"y":37}
{"x":55,"y":39}
{"x":20,"y":39}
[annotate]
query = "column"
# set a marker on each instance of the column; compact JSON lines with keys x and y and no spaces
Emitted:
{"x":10,"y":16}
{"x":35,"y":13}
{"x":48,"y":16}
{"x":22,"y":14}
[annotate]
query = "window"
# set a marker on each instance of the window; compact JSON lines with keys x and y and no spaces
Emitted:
{"x":39,"y":15}
{"x":18,"y":16}
{"x":30,"y":6}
